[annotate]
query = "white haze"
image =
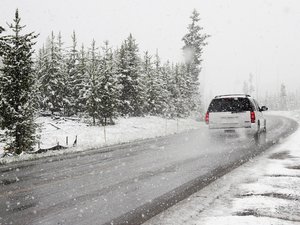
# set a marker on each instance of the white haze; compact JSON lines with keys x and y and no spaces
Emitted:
{"x":253,"y":36}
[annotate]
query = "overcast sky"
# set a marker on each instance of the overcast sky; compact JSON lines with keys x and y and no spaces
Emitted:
{"x":261,"y":37}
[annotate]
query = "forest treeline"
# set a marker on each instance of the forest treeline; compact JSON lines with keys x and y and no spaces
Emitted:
{"x":96,"y":81}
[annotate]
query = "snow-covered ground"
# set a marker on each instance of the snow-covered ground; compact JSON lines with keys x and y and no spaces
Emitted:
{"x":88,"y":137}
{"x":265,"y":190}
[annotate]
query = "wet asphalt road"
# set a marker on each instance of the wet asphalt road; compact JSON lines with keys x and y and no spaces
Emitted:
{"x":125,"y":184}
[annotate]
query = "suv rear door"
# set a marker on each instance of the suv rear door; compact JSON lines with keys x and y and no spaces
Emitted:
{"x":231,"y":112}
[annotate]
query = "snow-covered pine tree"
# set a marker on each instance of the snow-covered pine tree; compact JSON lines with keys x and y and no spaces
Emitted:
{"x":147,"y":71}
{"x":92,"y":86}
{"x":173,"y":90}
{"x":2,"y":43}
{"x":165,"y":101}
{"x":132,"y":98}
{"x":16,"y":84}
{"x":82,"y":81}
{"x":37,"y":68}
{"x":52,"y":77}
{"x":176,"y":92}
{"x":108,"y":87}
{"x":74,"y":82}
{"x":39,"y":61}
{"x":65,"y":78}
{"x":2,"y":50}
{"x":181,"y":94}
{"x":3,"y":46}
{"x":194,"y":41}
{"x":123,"y":75}
{"x":152,"y":72}
{"x":41,"y":68}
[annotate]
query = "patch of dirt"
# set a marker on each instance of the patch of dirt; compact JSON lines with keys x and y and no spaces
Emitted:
{"x":280,"y":155}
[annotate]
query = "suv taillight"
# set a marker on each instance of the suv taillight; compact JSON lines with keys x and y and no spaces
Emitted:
{"x":252,"y":116}
{"x":207,"y":118}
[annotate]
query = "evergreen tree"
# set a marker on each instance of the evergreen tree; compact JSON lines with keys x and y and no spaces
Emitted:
{"x":165,"y":102}
{"x":52,"y":76}
{"x":194,"y":41}
{"x":108,"y":87}
{"x":81,"y":81}
{"x":3,"y":47}
{"x":132,"y":98}
{"x":38,"y":66}
{"x":2,"y":43}
{"x":181,"y":94}
{"x":174,"y":94}
{"x":63,"y":78}
{"x":41,"y":67}
{"x":73,"y":79}
{"x":16,"y":84}
{"x":147,"y":71}
{"x":137,"y":91}
{"x":92,"y":87}
{"x":155,"y":85}
{"x":123,"y":74}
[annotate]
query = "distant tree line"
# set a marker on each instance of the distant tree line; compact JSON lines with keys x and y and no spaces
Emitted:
{"x":281,"y":100}
{"x":104,"y":83}
{"x":97,"y":81}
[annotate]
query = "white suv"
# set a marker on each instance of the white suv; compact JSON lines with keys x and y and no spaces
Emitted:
{"x":233,"y":112}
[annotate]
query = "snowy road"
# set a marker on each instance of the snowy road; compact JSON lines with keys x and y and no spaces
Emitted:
{"x":125,"y":183}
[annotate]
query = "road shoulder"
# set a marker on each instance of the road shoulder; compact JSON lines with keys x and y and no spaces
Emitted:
{"x":127,"y":130}
{"x":264,"y":190}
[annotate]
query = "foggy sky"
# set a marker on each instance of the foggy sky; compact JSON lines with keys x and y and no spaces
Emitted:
{"x":253,"y":36}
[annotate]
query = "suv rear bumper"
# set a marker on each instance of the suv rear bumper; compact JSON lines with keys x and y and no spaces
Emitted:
{"x":249,"y":129}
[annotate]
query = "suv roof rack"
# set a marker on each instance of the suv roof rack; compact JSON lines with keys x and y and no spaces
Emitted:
{"x":229,"y":95}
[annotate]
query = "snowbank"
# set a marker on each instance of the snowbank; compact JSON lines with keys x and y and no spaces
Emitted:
{"x":55,"y":132}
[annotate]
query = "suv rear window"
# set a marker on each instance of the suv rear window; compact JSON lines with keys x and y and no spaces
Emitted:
{"x":230,"y":105}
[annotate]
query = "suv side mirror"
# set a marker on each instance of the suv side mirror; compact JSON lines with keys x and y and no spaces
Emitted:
{"x":263,"y":108}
